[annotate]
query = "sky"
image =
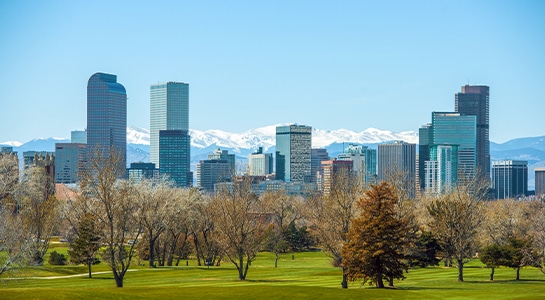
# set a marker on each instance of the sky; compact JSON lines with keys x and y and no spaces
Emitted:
{"x":249,"y":64}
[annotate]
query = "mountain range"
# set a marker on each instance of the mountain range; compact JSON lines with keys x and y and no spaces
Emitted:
{"x":531,"y":149}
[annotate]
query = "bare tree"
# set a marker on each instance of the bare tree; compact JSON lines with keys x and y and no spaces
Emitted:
{"x":455,"y":218}
{"x":537,"y":233}
{"x":205,"y":241}
{"x":9,"y":178}
{"x":113,"y":204}
{"x":14,"y":242}
{"x":240,"y":222}
{"x":330,"y":215}
{"x":40,"y":210}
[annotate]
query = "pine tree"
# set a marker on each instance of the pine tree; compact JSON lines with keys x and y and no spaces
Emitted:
{"x":86,"y":245}
{"x":374,"y":250}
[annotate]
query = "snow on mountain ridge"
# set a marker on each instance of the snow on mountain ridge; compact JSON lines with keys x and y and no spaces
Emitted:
{"x":266,"y":137}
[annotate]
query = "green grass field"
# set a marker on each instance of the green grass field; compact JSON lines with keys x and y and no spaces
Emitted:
{"x":308,"y":276}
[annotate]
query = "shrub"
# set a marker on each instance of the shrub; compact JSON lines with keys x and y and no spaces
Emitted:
{"x":57,"y":259}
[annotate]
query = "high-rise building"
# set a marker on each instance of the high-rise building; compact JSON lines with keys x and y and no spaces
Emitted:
{"x":293,"y":153}
{"x":210,"y":172}
{"x":169,"y":110}
{"x":219,"y":154}
{"x":424,"y":140}
{"x":333,"y":168}
{"x":141,"y":170}
{"x":259,"y":163}
{"x":70,"y":159}
{"x":174,"y":156}
{"x":510,"y":178}
{"x":365,"y":161}
{"x":474,"y":101}
{"x":540,"y":181}
{"x":441,"y":169}
{"x":396,"y":156}
{"x":78,"y":136}
{"x":317,"y":156}
{"x":107,"y":117}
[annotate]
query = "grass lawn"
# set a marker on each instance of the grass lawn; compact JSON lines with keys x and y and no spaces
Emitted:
{"x":308,"y":276}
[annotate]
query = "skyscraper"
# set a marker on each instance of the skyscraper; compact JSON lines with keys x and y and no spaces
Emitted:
{"x":259,"y":163}
{"x":474,"y":101}
{"x":107,"y":117}
{"x":70,"y":159}
{"x":174,"y":156}
{"x":424,"y":140}
{"x":396,"y":156}
{"x":540,"y":181}
{"x":510,"y":178}
{"x":293,"y":153}
{"x":169,"y":110}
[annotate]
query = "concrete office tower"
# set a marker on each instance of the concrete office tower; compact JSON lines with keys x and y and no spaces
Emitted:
{"x":212,"y":171}
{"x":219,"y":154}
{"x":174,"y":156}
{"x":510,"y":178}
{"x":293,"y":153}
{"x":169,"y":110}
{"x":107,"y":117}
{"x":540,"y":181}
{"x":78,"y":137}
{"x":333,"y":168}
{"x":70,"y":160}
{"x":474,"y":101}
{"x":259,"y":163}
{"x":396,"y":156}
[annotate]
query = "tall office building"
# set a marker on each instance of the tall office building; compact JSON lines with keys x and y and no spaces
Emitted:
{"x":212,"y":171}
{"x":219,"y":154}
{"x":540,"y":181}
{"x":317,"y":156}
{"x":259,"y":163}
{"x":333,"y":168}
{"x":174,"y":156}
{"x":441,"y":169}
{"x":107,"y":117}
{"x":78,"y":136}
{"x":169,"y":110}
{"x":141,"y":170}
{"x":474,"y":101}
{"x":510,"y":178}
{"x":396,"y":156}
{"x":70,"y":159}
{"x":424,"y":140}
{"x":293,"y":153}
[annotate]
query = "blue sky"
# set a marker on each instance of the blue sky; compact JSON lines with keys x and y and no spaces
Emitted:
{"x":327,"y":64}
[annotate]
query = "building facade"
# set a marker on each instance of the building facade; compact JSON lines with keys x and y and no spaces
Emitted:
{"x":259,"y":163}
{"x":210,"y":172}
{"x":174,"y":156}
{"x":333,"y":168}
{"x":70,"y":161}
{"x":424,"y":140}
{"x":219,"y":154}
{"x":169,"y":110}
{"x":474,"y":100}
{"x":293,"y":153}
{"x":107,"y":118}
{"x":441,"y":170}
{"x":397,"y":156}
{"x":510,"y":178}
{"x":540,"y":181}
{"x":139,"y":171}
{"x":365,"y":161}
{"x":78,"y":136}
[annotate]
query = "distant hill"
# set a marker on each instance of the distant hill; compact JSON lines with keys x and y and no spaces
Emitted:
{"x":531,"y":149}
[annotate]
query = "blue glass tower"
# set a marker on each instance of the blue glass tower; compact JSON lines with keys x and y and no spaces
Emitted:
{"x":293,"y":153}
{"x":107,"y":117}
{"x":174,"y":156}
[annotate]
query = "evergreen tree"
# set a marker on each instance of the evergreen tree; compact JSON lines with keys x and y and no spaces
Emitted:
{"x":374,"y":250}
{"x":86,"y":245}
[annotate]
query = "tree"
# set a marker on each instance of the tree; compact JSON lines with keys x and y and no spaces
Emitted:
{"x":536,"y":215}
{"x":455,"y":218}
{"x":492,"y":256}
{"x":113,"y":204}
{"x":240,"y":223}
{"x":376,"y":238}
{"x":15,"y":244}
{"x":424,"y":251}
{"x":40,"y":210}
{"x":9,"y":178}
{"x":517,"y":254}
{"x":330,"y":215}
{"x":87,"y":243}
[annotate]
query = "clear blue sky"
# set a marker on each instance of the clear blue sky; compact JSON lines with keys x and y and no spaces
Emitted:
{"x":328,"y":64}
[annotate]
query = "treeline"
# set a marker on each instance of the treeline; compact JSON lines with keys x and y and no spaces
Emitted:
{"x":375,"y":233}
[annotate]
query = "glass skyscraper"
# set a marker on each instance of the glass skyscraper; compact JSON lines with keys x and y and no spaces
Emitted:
{"x":510,"y":178}
{"x":107,"y":117}
{"x":293,"y":153}
{"x":474,"y":101}
{"x":169,"y":110}
{"x":174,"y":156}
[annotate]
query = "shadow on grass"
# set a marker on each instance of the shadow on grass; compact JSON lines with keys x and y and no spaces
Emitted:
{"x":504,"y":281}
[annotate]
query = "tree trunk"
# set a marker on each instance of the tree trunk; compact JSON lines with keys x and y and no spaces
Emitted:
{"x":344,"y":283}
{"x":492,"y":274}
{"x":276,"y":259}
{"x":152,"y":253}
{"x":380,"y":284}
{"x":460,"y":263}
{"x":118,"y":280}
{"x":89,"y":268}
{"x":518,"y":273}
{"x":391,"y":281}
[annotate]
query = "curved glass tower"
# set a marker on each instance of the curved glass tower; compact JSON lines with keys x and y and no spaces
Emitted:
{"x":107,"y":116}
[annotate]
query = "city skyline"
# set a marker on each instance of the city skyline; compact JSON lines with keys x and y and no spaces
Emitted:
{"x":385,"y":65}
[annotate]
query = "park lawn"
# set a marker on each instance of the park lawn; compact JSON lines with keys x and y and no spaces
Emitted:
{"x":308,"y":275}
